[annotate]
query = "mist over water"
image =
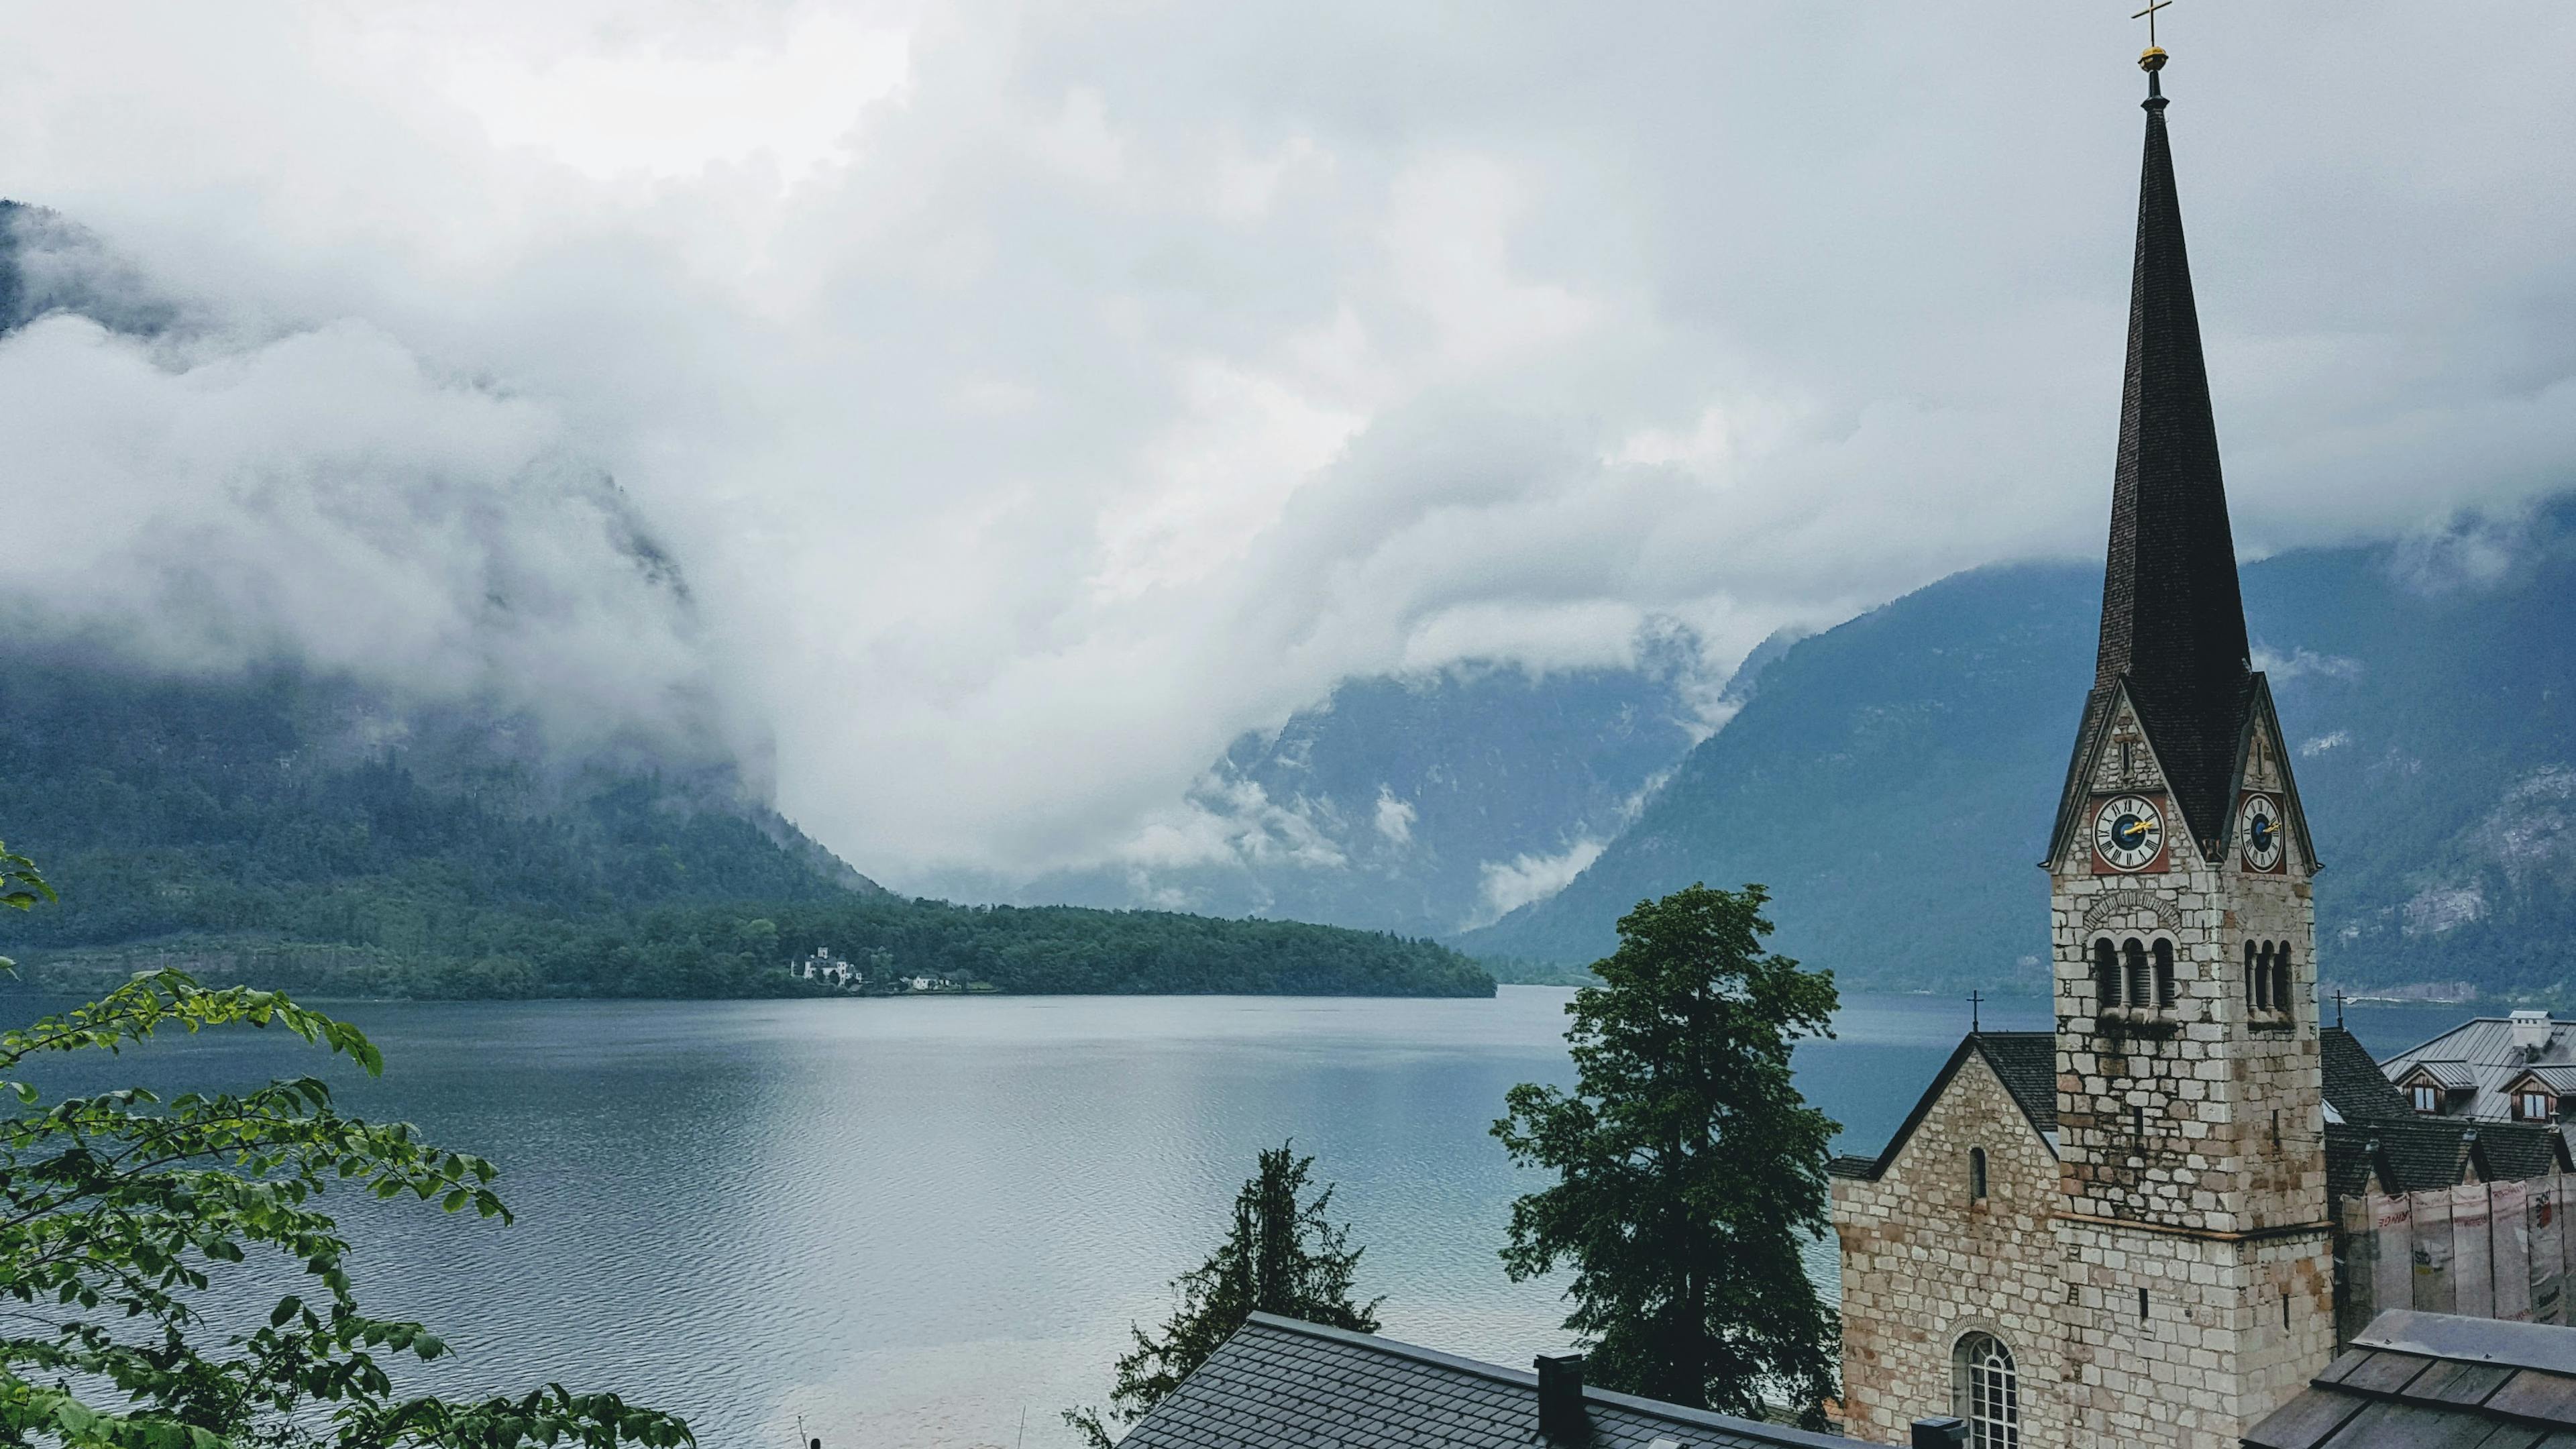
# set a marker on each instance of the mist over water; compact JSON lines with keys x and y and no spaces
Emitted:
{"x":905,"y":1222}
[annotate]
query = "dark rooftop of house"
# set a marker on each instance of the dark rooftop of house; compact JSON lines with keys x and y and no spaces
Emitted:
{"x":2356,"y":1088}
{"x":1282,"y":1384}
{"x":2434,"y":1381}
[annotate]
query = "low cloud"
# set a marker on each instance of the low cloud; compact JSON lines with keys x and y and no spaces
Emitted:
{"x":1512,"y":884}
{"x":1035,"y":399}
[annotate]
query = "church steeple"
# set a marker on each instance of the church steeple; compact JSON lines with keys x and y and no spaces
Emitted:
{"x":2173,"y":623}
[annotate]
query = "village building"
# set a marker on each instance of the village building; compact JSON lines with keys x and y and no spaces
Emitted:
{"x":2520,"y":1068}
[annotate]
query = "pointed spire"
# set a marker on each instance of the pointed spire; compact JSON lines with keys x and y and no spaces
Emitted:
{"x":2173,"y":623}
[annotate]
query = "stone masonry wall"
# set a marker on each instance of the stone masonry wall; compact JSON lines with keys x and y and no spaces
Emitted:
{"x":2213,"y":1351}
{"x":2192,"y":1138}
{"x":1923,"y":1264}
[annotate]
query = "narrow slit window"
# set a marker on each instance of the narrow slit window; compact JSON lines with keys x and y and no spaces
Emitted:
{"x":1977,"y":1174}
{"x":2164,"y":976}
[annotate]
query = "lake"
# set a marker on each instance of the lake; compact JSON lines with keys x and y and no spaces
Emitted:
{"x":912,"y":1222}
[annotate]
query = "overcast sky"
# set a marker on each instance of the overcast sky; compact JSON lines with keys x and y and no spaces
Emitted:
{"x":1035,"y":396}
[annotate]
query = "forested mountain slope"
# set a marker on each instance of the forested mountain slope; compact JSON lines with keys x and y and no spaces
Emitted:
{"x":305,"y":833}
{"x":1892,"y":781}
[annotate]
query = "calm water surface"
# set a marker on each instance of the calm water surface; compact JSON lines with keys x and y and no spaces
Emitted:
{"x":910,"y":1222}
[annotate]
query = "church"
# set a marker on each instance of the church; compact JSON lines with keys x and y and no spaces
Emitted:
{"x":2119,"y":1233}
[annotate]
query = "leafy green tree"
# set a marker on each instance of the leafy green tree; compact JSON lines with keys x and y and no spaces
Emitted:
{"x":1283,"y":1255}
{"x":1689,"y":1169}
{"x":120,"y":1212}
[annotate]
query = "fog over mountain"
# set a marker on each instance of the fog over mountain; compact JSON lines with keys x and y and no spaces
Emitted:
{"x":991,"y":413}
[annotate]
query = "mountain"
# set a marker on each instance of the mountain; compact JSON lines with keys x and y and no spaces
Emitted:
{"x":1423,"y":803}
{"x":1892,"y":780}
{"x":307,"y":832}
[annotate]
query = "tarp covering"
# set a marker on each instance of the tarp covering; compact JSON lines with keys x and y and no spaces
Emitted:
{"x":2509,"y":1208}
{"x":2431,"y":1212}
{"x":2548,"y":1255}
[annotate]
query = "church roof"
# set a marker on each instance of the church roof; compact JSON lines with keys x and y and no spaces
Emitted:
{"x":2024,"y":1061}
{"x":2173,"y":622}
{"x":2355,"y":1087}
{"x":2362,"y":1100}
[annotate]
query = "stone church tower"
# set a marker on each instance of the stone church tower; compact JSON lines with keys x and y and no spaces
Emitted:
{"x":2197,"y":1249}
{"x":2115,"y":1235}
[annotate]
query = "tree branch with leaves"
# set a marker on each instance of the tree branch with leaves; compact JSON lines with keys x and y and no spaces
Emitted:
{"x":120,"y":1213}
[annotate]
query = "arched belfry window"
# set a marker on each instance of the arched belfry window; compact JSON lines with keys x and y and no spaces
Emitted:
{"x":2262,"y":976}
{"x":1976,"y":1174}
{"x":1986,"y":1391}
{"x":2164,"y":975}
{"x":2106,"y":972}
{"x":2250,"y":969}
{"x":2141,"y":985}
{"x":2281,"y":977}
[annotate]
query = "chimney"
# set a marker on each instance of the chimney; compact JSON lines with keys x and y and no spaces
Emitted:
{"x":1944,"y":1433}
{"x":1561,"y":1416}
{"x":2530,"y":1032}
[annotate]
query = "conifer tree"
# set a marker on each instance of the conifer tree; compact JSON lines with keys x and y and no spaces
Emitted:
{"x":1689,"y":1169}
{"x":1283,"y":1255}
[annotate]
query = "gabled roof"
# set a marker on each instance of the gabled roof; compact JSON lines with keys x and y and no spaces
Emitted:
{"x":2026,"y":1063}
{"x":2557,"y":1081}
{"x":2450,"y":1076}
{"x":2355,"y":1087}
{"x":1282,"y":1384}
{"x":2412,"y":1380}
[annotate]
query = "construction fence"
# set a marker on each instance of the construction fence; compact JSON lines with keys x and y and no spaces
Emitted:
{"x":2483,"y":1250}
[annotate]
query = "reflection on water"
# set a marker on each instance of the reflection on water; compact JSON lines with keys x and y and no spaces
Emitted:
{"x":911,"y":1222}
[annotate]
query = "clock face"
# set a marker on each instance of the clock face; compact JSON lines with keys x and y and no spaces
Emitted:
{"x":2258,"y":824}
{"x":2128,"y":831}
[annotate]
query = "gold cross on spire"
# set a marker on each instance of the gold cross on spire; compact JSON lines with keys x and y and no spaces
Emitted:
{"x":2149,"y":15}
{"x":2154,"y":59}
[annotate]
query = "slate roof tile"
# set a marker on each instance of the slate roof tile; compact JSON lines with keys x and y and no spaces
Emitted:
{"x":1282,"y":1384}
{"x":2436,"y":1381}
{"x":2355,"y":1086}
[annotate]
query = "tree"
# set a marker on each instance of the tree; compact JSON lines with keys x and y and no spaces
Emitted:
{"x":119,"y":1214}
{"x":1689,"y":1169}
{"x":1283,"y":1255}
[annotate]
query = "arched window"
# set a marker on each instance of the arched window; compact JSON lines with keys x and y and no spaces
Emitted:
{"x":2281,"y":977}
{"x":1977,"y":1174}
{"x":2250,"y":969}
{"x":2141,"y":985}
{"x":1986,"y":1392}
{"x":2164,"y":975}
{"x":2106,"y":973}
{"x":2263,"y":977}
